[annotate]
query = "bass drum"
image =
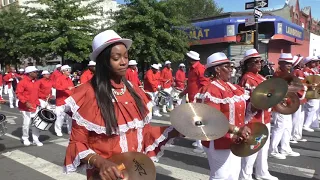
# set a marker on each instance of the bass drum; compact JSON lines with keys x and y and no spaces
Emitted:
{"x":3,"y":125}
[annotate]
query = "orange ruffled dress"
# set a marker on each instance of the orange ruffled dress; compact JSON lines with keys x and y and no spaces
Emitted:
{"x":134,"y":133}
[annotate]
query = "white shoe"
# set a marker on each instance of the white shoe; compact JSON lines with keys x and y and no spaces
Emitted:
{"x":194,"y":144}
{"x":270,"y":177}
{"x":198,"y":150}
{"x":38,"y":143}
{"x":278,"y":156}
{"x":157,"y":114}
{"x":11,"y":106}
{"x":292,"y":154}
{"x":26,"y":142}
{"x":164,"y":110}
{"x":293,"y":141}
{"x":308,"y":129}
{"x":59,"y":134}
{"x":316,"y":129}
{"x":302,"y":140}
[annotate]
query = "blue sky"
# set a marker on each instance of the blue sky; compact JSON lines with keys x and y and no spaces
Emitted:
{"x":238,"y":5}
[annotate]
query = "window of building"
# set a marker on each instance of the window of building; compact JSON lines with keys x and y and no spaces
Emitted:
{"x":12,"y":1}
{"x":4,"y":2}
{"x":296,"y":19}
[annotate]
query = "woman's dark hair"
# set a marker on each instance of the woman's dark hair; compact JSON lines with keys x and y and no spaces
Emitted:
{"x":244,"y":67}
{"x":103,"y":90}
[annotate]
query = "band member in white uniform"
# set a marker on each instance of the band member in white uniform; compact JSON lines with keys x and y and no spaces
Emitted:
{"x":282,"y":123}
{"x":166,"y":80}
{"x":27,"y":92}
{"x":9,"y":78}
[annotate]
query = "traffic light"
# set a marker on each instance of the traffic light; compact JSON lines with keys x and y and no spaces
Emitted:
{"x":245,"y":37}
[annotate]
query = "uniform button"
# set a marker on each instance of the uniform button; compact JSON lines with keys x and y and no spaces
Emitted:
{"x":240,"y":106}
{"x":133,"y":149}
{"x":126,"y":103}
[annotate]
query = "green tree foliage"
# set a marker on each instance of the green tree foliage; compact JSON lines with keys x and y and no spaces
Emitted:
{"x":153,"y":26}
{"x":13,"y":24}
{"x":63,"y":27}
{"x":196,"y":9}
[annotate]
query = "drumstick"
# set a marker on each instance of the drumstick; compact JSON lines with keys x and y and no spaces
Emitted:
{"x":121,"y":167}
{"x":77,"y":86}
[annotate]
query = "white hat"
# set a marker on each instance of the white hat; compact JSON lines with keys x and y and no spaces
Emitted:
{"x":216,"y":59}
{"x":251,"y":53}
{"x":155,"y":66}
{"x":193,"y":55}
{"x":316,"y":58}
{"x":104,"y":39}
{"x":58,"y":65}
{"x":296,"y":60}
{"x":92,"y":63}
{"x":65,"y":67}
{"x":30,"y":69}
{"x":132,"y":63}
{"x":286,"y":57}
{"x":167,"y":62}
{"x":308,"y":59}
{"x":21,"y":70}
{"x":45,"y":72}
{"x":160,"y":65}
{"x":182,"y":65}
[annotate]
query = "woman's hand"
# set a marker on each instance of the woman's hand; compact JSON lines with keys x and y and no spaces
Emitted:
{"x":107,"y":169}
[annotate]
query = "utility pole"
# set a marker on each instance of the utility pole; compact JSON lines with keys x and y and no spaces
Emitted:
{"x":256,"y":34}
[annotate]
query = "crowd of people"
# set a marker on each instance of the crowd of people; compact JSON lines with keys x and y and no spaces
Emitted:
{"x":109,"y":110}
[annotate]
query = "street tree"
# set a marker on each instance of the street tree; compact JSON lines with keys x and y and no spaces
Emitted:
{"x":63,"y":27}
{"x":14,"y":23}
{"x":155,"y":29}
{"x":196,"y":9}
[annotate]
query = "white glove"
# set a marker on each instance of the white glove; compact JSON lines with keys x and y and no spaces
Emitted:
{"x":11,"y":79}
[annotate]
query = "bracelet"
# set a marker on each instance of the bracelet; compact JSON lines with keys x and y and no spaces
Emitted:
{"x":236,"y":130}
{"x":90,"y":158}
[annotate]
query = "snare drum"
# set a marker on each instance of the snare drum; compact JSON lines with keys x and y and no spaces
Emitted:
{"x":162,"y":98}
{"x":3,"y":125}
{"x":175,"y":94}
{"x":44,"y":119}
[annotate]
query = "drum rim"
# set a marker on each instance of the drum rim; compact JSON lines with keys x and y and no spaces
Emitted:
{"x":2,"y":118}
{"x":46,"y":119}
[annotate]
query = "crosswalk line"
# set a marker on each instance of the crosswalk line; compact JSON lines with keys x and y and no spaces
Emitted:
{"x":292,"y":170}
{"x":178,"y":173}
{"x":160,"y":121}
{"x":40,"y":165}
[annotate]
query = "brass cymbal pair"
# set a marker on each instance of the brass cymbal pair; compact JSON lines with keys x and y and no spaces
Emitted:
{"x":279,"y":93}
{"x":313,"y":84}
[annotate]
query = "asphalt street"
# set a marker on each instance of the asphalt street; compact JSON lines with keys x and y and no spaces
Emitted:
{"x":179,"y":161}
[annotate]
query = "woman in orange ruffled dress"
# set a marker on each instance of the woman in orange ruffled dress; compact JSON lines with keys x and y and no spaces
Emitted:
{"x":111,"y":115}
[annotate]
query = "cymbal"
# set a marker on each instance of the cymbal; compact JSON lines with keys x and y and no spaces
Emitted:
{"x":199,"y":121}
{"x":289,"y":104}
{"x":137,"y":166}
{"x":259,"y":136}
{"x":313,"y":94}
{"x":269,"y":93}
{"x":313,"y":84}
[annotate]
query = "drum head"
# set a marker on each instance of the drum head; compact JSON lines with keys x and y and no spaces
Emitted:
{"x":47,"y":115}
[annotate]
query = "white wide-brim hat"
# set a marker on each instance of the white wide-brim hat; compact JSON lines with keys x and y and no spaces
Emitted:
{"x":160,"y":65}
{"x":296,"y":60}
{"x":251,"y":53}
{"x":308,"y":59}
{"x":155,"y":66}
{"x":286,"y":57}
{"x":58,"y":65}
{"x":132,"y":63}
{"x":193,"y":55}
{"x":45,"y":72}
{"x":65,"y":67}
{"x":167,"y":62}
{"x":217,"y":59}
{"x":182,"y":65}
{"x":92,"y":63}
{"x":105,"y":39}
{"x":30,"y":69}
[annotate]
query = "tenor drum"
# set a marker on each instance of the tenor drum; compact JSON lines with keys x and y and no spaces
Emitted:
{"x":44,"y":119}
{"x":3,"y":125}
{"x":163,"y":98}
{"x":175,"y":94}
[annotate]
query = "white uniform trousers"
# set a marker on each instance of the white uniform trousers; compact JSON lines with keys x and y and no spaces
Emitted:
{"x":53,"y":92}
{"x":315,"y":123}
{"x":155,"y":108}
{"x":261,"y":159}
{"x":170,"y":103}
{"x":297,"y":123}
{"x":281,"y":132}
{"x":311,"y":108}
{"x":61,"y":117}
{"x":5,"y":89}
{"x":223,"y":164}
{"x":26,"y":126}
{"x":43,"y":104}
{"x":1,"y":89}
{"x":11,"y":96}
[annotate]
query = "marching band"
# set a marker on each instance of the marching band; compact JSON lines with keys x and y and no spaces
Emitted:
{"x":109,"y":112}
